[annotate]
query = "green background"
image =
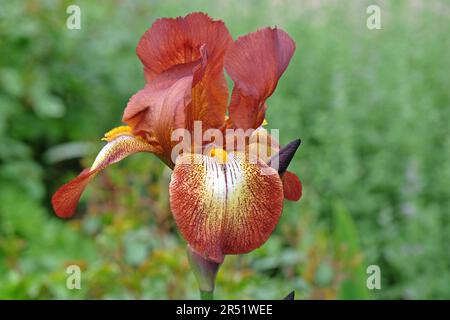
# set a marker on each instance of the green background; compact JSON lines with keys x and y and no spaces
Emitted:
{"x":372,"y":108}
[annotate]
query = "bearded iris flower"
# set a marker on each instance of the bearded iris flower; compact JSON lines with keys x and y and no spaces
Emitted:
{"x":221,"y":202}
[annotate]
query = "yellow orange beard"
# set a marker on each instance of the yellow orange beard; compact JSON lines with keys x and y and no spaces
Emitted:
{"x":219,"y":155}
{"x":117,"y":131}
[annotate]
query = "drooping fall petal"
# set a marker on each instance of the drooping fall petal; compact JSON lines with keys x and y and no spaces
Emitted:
{"x":265,"y":147}
{"x":191,"y":47}
{"x":292,"y":187}
{"x":229,"y":208}
{"x":66,"y":198}
{"x":255,"y":62}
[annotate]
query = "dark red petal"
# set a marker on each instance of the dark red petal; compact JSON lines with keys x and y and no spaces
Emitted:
{"x":225,"y":209}
{"x":143,"y":109}
{"x":210,"y":91}
{"x":183,"y":56}
{"x":197,"y":39}
{"x":292,"y":187}
{"x":170,"y":42}
{"x":158,"y":109}
{"x":65,"y":199}
{"x":255,"y":62}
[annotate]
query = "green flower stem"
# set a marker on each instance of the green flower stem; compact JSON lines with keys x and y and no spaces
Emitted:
{"x":205,"y":272}
{"x":206,"y":295}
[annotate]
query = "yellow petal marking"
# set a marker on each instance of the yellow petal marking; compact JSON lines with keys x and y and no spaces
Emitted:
{"x":117,"y":131}
{"x":219,"y":154}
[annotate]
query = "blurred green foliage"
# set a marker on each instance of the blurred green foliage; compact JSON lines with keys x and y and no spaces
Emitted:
{"x":371,"y":106}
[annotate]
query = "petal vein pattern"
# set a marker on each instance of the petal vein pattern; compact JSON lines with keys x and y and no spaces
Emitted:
{"x":226,"y":208}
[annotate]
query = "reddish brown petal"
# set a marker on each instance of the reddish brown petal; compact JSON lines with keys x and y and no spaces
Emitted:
{"x":65,"y":199}
{"x":264,"y":146}
{"x":255,"y":62}
{"x":229,"y":208}
{"x":292,"y":187}
{"x":145,"y":106}
{"x":170,"y":42}
{"x":209,"y":93}
{"x":158,"y":109}
{"x":200,"y":42}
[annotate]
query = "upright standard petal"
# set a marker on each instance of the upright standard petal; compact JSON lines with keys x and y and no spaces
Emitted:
{"x":174,"y":41}
{"x":255,"y":62}
{"x":66,"y":198}
{"x":200,"y":43}
{"x":158,"y":109}
{"x":228,"y":208}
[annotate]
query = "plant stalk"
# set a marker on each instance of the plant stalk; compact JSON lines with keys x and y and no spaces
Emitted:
{"x":206,"y":295}
{"x":205,"y":272}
